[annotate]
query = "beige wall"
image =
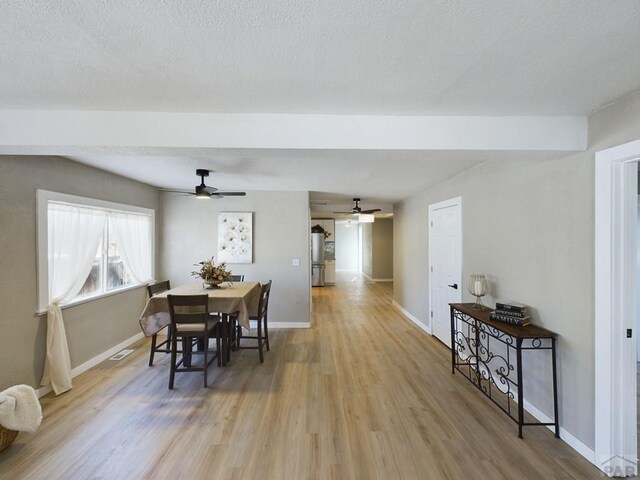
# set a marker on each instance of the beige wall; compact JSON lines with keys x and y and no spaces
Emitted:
{"x":383,"y":248}
{"x":377,"y":249}
{"x":92,"y":328}
{"x":528,"y":225}
{"x":366,"y":231}
{"x":280,"y":233}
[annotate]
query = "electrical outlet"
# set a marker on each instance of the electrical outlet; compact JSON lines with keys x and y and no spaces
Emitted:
{"x":295,"y":262}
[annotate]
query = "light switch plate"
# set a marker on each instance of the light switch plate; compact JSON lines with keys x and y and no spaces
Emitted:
{"x":295,"y":262}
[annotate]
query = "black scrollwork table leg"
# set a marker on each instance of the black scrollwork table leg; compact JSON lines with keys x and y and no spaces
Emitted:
{"x":555,"y":387}
{"x":520,"y":395}
{"x":453,"y":341}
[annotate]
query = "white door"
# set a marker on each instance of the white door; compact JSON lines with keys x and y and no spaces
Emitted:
{"x":445,"y":265}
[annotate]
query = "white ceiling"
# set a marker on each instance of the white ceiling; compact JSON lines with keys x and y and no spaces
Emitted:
{"x":379,"y":177}
{"x":481,"y":57}
{"x":366,"y":57}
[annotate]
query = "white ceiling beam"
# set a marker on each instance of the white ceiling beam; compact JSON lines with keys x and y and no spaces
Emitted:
{"x":57,"y":131}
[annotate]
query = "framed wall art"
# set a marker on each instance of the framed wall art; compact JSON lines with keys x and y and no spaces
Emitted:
{"x":235,"y":237}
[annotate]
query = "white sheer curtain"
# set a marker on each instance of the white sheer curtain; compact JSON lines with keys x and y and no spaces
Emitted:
{"x":133,"y":237}
{"x":74,"y":236}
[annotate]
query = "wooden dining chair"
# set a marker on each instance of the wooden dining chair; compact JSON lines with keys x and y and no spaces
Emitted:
{"x":164,"y":347}
{"x":190,"y":319}
{"x":262,"y":330}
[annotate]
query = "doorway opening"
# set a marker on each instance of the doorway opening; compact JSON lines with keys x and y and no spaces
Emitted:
{"x":616,"y":281}
{"x":347,"y":246}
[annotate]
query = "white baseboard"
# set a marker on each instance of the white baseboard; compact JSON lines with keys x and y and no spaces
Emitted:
{"x":42,"y":391}
{"x":275,"y":325}
{"x":565,"y":436}
{"x":376,"y":279}
{"x":278,"y":325}
{"x":420,"y":325}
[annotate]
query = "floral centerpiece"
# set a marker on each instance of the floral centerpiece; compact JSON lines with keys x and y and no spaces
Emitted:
{"x":212,"y":274}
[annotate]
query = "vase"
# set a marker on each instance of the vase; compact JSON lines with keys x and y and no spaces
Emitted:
{"x":210,"y":285}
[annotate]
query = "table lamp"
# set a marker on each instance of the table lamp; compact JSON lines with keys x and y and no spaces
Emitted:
{"x":478,"y":288}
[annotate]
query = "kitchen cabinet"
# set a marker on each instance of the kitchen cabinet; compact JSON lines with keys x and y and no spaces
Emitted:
{"x":330,"y":272}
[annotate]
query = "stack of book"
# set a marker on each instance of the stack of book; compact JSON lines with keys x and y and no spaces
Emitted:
{"x":512,"y":313}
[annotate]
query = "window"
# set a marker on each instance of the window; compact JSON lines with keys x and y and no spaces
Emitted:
{"x":88,"y":248}
{"x":108,"y":271}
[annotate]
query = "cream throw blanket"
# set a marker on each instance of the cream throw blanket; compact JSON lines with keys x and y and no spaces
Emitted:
{"x":20,"y":409}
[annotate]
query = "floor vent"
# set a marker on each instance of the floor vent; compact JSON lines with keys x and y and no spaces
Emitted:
{"x":121,"y":354}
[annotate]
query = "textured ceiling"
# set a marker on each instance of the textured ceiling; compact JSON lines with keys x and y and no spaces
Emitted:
{"x":370,"y":57}
{"x":482,"y":57}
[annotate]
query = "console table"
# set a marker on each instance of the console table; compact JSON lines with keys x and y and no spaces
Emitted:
{"x":483,"y":351}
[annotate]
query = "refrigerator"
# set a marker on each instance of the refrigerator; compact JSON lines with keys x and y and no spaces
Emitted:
{"x":317,"y":259}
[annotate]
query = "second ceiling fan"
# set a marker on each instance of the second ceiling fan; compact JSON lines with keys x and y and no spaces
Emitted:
{"x":357,"y":210}
{"x":205,"y":191}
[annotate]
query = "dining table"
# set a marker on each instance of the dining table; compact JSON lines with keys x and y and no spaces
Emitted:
{"x":238,"y":298}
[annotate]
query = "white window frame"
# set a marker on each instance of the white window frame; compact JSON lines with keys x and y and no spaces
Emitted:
{"x":43,"y":197}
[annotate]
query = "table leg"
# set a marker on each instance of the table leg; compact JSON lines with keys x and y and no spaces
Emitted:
{"x":224,"y":320}
{"x":453,"y":345}
{"x":555,"y":387}
{"x":186,"y":351}
{"x":520,"y":394}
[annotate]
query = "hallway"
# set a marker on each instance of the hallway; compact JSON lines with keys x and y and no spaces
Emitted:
{"x":362,"y":394}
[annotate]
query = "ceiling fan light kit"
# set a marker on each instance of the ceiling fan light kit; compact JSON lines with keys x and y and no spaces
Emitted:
{"x":203,"y":191}
{"x":364,"y":216}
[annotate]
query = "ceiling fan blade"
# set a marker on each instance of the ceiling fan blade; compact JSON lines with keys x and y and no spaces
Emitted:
{"x":210,"y":189}
{"x":228,"y":194}
{"x":366,"y":212}
{"x":184,"y":192}
{"x":343,"y":213}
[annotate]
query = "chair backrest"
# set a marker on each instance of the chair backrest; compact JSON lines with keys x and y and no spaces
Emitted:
{"x":158,"y":287}
{"x":237,"y":278}
{"x":263,"y":305}
{"x":188,"y":308}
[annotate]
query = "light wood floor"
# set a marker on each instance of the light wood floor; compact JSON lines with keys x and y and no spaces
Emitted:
{"x":364,"y":394}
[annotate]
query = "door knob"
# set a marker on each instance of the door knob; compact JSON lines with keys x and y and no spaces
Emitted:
{"x":454,"y":286}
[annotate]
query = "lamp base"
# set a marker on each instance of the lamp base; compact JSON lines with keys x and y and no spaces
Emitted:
{"x":479,"y":305}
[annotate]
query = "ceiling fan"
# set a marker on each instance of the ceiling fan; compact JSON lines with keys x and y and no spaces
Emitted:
{"x":204,"y":191}
{"x":357,"y":210}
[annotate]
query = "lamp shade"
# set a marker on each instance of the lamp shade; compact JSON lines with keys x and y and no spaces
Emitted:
{"x":478,"y":285}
